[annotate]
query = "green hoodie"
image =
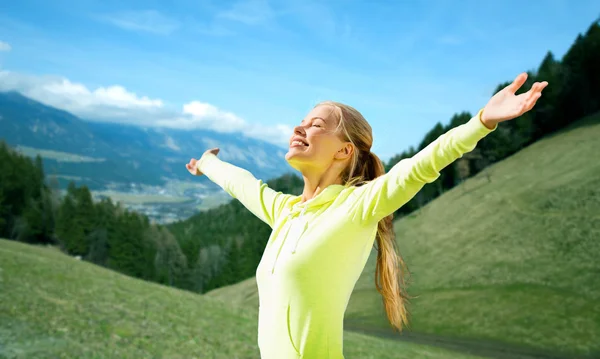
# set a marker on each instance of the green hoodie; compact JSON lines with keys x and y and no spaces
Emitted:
{"x":318,"y":248}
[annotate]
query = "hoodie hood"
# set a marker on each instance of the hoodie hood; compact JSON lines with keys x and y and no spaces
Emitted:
{"x":326,"y":196}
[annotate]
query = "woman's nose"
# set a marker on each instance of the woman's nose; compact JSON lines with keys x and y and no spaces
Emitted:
{"x":299,"y":130}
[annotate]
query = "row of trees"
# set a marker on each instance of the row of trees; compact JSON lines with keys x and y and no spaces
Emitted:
{"x":32,"y":210}
{"x":224,"y":245}
{"x":210,"y":250}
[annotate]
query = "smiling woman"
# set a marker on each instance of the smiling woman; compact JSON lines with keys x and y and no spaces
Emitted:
{"x":321,"y":240}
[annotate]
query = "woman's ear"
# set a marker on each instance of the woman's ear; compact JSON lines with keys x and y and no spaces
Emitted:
{"x":345,"y":152}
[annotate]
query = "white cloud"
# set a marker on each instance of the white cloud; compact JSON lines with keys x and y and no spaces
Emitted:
{"x":197,"y":114}
{"x":110,"y":103}
{"x":116,"y":104}
{"x":115,"y":96}
{"x":146,"y":20}
{"x":4,"y":46}
{"x":205,"y":111}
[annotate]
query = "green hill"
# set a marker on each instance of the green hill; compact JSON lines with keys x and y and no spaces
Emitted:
{"x":511,"y":259}
{"x":52,"y":305}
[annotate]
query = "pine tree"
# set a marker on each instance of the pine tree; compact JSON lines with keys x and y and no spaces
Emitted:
{"x":544,"y":117}
{"x":69,"y":232}
{"x":85,"y":209}
{"x":3,"y":213}
{"x":170,"y":262}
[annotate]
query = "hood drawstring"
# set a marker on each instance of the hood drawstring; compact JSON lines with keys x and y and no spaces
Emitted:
{"x":303,"y":223}
{"x":295,"y":228}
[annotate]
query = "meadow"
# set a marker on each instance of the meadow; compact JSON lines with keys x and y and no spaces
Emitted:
{"x":54,"y":306}
{"x":56,"y":155}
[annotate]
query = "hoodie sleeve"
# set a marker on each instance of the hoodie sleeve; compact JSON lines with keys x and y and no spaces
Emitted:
{"x":386,"y":194}
{"x":254,"y":194}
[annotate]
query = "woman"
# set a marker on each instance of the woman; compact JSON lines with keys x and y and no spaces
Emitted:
{"x":321,"y":240}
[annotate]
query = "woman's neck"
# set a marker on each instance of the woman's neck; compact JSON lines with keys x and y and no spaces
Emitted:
{"x":316,"y":183}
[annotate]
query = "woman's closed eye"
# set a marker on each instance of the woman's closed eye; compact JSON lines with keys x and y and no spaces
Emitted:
{"x":318,"y":123}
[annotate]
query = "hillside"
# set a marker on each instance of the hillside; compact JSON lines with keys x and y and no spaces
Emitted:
{"x":52,"y":305}
{"x":512,"y":259}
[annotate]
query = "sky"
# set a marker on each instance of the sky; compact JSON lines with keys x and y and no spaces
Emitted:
{"x":258,"y":66}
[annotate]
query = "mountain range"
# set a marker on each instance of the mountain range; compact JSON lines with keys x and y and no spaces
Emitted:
{"x":124,"y":159}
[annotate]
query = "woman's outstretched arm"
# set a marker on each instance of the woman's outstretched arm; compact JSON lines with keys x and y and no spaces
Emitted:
{"x":254,"y":194}
{"x":386,"y":194}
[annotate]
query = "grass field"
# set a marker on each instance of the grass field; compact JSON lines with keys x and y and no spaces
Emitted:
{"x":513,"y":261}
{"x":56,"y":155}
{"x":213,"y":200}
{"x":139,"y":198}
{"x":53,"y":306}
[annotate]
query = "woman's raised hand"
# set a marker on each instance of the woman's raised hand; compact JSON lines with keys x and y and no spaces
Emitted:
{"x":191,"y":166}
{"x":505,"y":105}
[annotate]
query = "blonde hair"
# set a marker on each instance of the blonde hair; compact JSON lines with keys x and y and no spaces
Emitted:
{"x":391,"y":271}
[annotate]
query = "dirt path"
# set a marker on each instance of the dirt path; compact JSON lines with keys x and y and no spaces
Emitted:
{"x":480,"y":348}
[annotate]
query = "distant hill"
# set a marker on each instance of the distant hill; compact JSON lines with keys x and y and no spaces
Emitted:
{"x":52,"y":305}
{"x":111,"y":155}
{"x":509,"y":256}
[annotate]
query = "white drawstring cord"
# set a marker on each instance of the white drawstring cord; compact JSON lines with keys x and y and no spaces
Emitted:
{"x":303,"y":223}
{"x":288,"y":230}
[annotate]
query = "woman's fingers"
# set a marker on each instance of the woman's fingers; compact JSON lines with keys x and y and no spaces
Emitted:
{"x":531,"y":102}
{"x":539,"y":86}
{"x":529,"y":99}
{"x":517,"y":83}
{"x":191,"y":166}
{"x":535,"y":91}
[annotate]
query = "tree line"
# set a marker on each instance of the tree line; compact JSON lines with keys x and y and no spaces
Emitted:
{"x":32,"y":210}
{"x":223,"y":246}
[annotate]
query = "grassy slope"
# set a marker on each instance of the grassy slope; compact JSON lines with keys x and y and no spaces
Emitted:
{"x":52,"y":305}
{"x":512,"y":260}
{"x":56,"y":155}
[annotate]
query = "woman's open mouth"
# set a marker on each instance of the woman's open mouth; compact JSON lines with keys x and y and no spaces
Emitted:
{"x":297,"y":142}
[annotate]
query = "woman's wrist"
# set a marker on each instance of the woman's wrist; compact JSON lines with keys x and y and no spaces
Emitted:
{"x":486,"y":122}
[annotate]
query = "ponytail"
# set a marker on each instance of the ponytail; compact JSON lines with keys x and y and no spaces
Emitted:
{"x":391,"y":270}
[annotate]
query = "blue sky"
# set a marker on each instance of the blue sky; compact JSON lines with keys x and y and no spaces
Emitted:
{"x":259,"y":66}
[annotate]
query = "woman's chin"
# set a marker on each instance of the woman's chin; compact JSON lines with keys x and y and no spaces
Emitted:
{"x":293,"y":152}
{"x":290,"y":156}
{"x":294,"y":157}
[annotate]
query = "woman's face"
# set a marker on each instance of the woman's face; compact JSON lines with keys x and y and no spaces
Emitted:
{"x":315,"y":144}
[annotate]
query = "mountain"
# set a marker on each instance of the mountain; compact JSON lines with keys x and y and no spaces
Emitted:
{"x":130,"y":163}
